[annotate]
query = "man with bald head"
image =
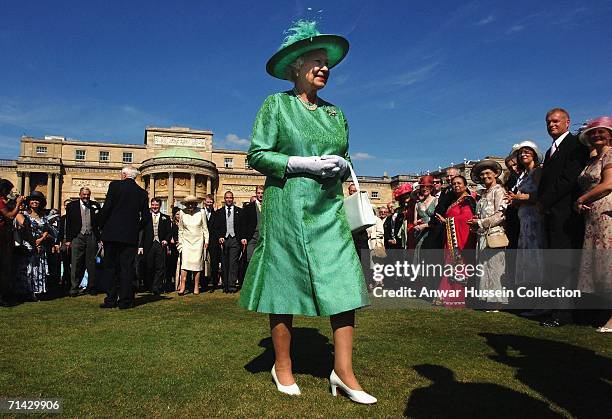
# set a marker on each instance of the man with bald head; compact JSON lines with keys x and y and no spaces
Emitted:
{"x":558,"y":189}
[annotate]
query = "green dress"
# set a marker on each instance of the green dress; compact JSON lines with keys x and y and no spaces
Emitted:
{"x":305,"y":261}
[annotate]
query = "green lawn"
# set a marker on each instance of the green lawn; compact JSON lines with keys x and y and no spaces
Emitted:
{"x":201,"y":355}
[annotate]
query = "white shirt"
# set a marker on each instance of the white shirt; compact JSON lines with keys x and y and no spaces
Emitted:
{"x":557,"y":143}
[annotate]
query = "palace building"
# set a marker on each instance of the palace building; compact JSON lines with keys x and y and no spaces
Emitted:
{"x":173,"y":163}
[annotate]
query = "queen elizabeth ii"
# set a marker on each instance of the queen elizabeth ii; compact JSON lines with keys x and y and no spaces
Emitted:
{"x":305,"y":262}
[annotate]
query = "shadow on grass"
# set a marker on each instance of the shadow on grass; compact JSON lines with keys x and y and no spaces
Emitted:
{"x":149,"y":298}
{"x":447,"y":397}
{"x":311,"y":353}
{"x":574,"y":378}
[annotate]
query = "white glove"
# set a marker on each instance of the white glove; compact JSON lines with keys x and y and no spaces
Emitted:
{"x":313,"y":165}
{"x":341,"y":164}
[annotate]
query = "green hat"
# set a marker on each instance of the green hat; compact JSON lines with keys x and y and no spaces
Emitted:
{"x":304,"y":37}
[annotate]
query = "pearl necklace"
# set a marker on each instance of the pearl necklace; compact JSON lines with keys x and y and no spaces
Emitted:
{"x":307,"y":104}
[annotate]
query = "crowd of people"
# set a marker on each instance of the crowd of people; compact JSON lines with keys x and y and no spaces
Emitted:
{"x":519,"y":226}
{"x":557,"y":200}
{"x":196,"y":247}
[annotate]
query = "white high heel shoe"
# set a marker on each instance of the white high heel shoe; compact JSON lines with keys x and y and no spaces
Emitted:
{"x":292,"y":390}
{"x":358,"y":396}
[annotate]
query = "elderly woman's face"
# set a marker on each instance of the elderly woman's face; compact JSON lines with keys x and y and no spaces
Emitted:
{"x":314,"y":71}
{"x":458,"y":185}
{"x":600,"y":136}
{"x":487,"y":177}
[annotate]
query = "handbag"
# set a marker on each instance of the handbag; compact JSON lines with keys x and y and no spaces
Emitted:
{"x":496,"y":240}
{"x":379,"y":251}
{"x":359,"y":212}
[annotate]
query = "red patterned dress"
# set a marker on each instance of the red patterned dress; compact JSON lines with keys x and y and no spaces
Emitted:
{"x":462,"y":210}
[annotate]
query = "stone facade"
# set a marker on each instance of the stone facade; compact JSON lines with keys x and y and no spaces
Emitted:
{"x":174,"y":162}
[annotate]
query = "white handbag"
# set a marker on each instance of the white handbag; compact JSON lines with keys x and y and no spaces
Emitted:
{"x":359,"y":212}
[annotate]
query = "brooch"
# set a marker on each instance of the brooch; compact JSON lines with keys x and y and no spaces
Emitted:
{"x":331,"y":112}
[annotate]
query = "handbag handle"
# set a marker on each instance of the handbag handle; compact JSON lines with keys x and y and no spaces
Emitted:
{"x":354,"y":178}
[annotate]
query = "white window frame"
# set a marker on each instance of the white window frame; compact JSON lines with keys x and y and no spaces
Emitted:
{"x":228,"y":162}
{"x":374,"y":195}
{"x":126,"y":154}
{"x":76,"y":154}
{"x":42,"y":149}
{"x":106,"y":153}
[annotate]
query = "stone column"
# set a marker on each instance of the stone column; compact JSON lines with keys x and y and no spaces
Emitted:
{"x":208,"y":185}
{"x":192,"y":185}
{"x":26,"y":186}
{"x":19,"y":185}
{"x":152,"y":185}
{"x":170,"y":191}
{"x":56,"y":191}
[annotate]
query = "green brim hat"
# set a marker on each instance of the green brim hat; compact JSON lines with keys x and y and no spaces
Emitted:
{"x":304,"y":37}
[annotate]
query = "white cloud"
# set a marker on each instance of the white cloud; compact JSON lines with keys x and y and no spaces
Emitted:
{"x":486,"y":20}
{"x":236,"y":140}
{"x":516,"y":28}
{"x":232,"y":141}
{"x":360,"y":156}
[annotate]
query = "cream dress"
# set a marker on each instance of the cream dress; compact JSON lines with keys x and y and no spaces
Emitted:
{"x":193,"y":234}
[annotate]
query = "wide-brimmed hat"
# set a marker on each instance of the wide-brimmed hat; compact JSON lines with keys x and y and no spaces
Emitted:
{"x":301,"y":38}
{"x":37,"y":196}
{"x":601,"y":122}
{"x":404,"y":189}
{"x":482,"y":165}
{"x":528,"y":144}
{"x":191,"y":199}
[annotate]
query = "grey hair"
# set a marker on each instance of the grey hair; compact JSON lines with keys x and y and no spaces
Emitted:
{"x":293,"y":70}
{"x":84,"y":188}
{"x":129,"y":172}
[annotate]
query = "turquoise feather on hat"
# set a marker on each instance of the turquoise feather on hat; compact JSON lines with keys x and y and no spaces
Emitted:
{"x":301,"y":38}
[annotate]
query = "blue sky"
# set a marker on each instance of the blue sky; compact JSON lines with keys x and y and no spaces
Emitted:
{"x":425,"y":83}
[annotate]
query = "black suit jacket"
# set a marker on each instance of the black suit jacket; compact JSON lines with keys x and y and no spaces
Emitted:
{"x":73,"y":220}
{"x":219,"y":227}
{"x":389,"y":233}
{"x":125,"y":212}
{"x":249,"y":220}
{"x":164,"y":231}
{"x":559,"y":189}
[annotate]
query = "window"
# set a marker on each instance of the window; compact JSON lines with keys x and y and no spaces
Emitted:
{"x":104,"y":156}
{"x":79,"y":154}
{"x":246,"y":164}
{"x":374,"y":194}
{"x":41,"y":149}
{"x":228,"y":162}
{"x":128,"y":157}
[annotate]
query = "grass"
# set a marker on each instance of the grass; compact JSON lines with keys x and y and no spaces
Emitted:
{"x":201,"y":355}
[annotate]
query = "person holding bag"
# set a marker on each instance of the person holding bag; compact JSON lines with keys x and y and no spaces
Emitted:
{"x":305,"y":262}
{"x":488,"y":223}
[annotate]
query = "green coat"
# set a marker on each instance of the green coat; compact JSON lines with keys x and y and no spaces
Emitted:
{"x":305,"y":261}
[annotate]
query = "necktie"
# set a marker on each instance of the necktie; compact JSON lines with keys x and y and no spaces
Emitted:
{"x":229,"y":211}
{"x":553,"y":148}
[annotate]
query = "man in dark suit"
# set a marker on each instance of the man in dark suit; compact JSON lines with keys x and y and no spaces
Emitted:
{"x":154,"y":239}
{"x":65,"y":254}
{"x":213,"y":251}
{"x":82,"y":238}
{"x":251,"y":213}
{"x":124,"y":214}
{"x":228,"y":231}
{"x":558,"y":189}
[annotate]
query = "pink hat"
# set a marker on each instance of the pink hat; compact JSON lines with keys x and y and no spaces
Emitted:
{"x":404,"y":189}
{"x":601,"y":122}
